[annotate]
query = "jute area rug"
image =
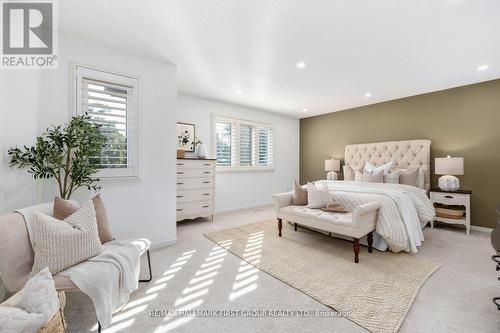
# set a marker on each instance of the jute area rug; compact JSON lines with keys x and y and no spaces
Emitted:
{"x":376,"y":293}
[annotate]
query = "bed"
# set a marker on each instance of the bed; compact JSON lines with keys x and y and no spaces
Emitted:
{"x":405,"y":209}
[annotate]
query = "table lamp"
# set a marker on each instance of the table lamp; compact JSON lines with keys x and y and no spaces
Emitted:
{"x":331,"y":166}
{"x":449,"y":167}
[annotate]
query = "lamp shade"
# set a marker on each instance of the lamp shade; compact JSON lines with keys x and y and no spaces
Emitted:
{"x":332,"y":165}
{"x":449,"y":166}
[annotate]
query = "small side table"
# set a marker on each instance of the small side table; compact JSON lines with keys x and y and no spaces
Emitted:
{"x":460,"y":197}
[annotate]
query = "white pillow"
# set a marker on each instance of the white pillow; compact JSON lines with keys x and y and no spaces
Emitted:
{"x":421,"y":178}
{"x":59,"y":245}
{"x":392,"y":177}
{"x":318,"y":196}
{"x":369,"y":167}
{"x":15,"y":320}
{"x":36,"y":304}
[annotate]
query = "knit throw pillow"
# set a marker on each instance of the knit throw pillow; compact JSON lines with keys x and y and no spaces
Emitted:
{"x":318,"y":196}
{"x":59,"y":245}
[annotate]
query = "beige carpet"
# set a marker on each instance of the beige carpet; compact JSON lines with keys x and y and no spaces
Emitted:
{"x":376,"y":293}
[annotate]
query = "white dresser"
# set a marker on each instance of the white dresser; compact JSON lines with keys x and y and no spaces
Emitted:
{"x":195,"y":188}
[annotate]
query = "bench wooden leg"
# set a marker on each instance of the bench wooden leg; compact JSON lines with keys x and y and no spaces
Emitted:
{"x":280,"y":226}
{"x":295,"y":226}
{"x":370,"y":242}
{"x":355,"y":247}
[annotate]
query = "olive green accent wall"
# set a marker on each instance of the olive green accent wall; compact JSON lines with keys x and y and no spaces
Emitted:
{"x":462,"y":121}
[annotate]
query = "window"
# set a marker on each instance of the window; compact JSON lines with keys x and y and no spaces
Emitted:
{"x":111,"y":102}
{"x":242,"y":145}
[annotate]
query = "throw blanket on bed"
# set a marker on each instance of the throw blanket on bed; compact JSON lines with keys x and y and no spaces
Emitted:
{"x":108,"y":278}
{"x":402,"y":209}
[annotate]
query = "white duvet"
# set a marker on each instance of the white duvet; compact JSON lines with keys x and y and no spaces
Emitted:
{"x":403,"y":209}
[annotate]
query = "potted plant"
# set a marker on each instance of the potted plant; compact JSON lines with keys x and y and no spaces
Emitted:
{"x":64,"y":153}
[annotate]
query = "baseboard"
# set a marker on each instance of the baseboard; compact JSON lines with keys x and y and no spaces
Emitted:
{"x":159,"y":245}
{"x":481,"y":229}
{"x":243,"y":208}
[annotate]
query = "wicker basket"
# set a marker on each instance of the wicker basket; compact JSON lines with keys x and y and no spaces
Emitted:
{"x":57,"y":324}
{"x":181,"y":153}
{"x":449,"y":213}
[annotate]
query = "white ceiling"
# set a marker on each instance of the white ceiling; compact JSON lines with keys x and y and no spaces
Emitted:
{"x":246,"y":51}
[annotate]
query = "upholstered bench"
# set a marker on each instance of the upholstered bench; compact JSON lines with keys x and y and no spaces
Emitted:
{"x":356,"y":224}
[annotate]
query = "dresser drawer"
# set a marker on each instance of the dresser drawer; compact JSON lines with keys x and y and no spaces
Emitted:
{"x":449,"y":198}
{"x":194,"y":183}
{"x":194,"y":195}
{"x":201,"y":172}
{"x":185,"y":164}
{"x":194,"y":209}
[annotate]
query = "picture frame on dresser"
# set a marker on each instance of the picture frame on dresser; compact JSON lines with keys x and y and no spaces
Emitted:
{"x":186,"y":136}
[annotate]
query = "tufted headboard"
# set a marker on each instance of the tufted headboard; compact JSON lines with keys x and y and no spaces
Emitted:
{"x":405,"y":154}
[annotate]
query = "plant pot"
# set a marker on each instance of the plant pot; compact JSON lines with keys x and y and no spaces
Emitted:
{"x":181,"y":153}
{"x":202,"y":151}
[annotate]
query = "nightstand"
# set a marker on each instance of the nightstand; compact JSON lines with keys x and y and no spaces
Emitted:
{"x":460,"y":197}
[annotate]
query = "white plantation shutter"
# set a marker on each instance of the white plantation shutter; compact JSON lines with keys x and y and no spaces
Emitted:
{"x":243,"y":145}
{"x":111,"y":102}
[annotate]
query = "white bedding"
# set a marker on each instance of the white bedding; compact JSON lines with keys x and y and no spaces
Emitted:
{"x":403,"y":210}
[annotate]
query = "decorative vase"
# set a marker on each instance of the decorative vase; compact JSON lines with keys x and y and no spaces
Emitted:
{"x":202,"y":151}
{"x":181,"y":153}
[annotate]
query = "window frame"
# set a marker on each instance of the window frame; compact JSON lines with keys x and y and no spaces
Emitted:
{"x":235,"y":165}
{"x":78,"y":73}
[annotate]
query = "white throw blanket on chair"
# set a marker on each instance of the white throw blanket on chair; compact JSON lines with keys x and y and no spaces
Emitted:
{"x":108,"y":278}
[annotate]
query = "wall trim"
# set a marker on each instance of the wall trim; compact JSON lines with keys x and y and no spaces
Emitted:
{"x":159,"y":245}
{"x":481,"y":229}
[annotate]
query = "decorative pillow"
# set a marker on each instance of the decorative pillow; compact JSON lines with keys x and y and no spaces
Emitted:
{"x":408,"y":176}
{"x":15,"y":320}
{"x":386,"y":168}
{"x":377,"y":177}
{"x":421,"y":178}
{"x":348,"y":172}
{"x":358,"y":177}
{"x":64,"y":208}
{"x":392,"y":177}
{"x":36,"y":304}
{"x":299,"y":195}
{"x":62,"y":244}
{"x":318,"y":196}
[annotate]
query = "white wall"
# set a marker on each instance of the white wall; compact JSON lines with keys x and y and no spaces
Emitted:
{"x":143,"y":207}
{"x":235,"y":190}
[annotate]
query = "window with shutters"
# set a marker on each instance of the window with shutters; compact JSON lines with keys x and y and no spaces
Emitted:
{"x":241,"y":145}
{"x":110,"y":100}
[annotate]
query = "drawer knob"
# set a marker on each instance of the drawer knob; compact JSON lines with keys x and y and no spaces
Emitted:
{"x":180,"y":163}
{"x":179,"y":209}
{"x":206,"y":171}
{"x":180,"y":196}
{"x":180,"y":183}
{"x":206,"y":206}
{"x":180,"y":173}
{"x":206,"y":193}
{"x":206,"y":182}
{"x":448,"y":197}
{"x":208,"y":164}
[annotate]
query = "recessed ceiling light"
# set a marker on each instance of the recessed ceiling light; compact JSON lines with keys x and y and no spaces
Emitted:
{"x":482,"y":68}
{"x":301,"y":65}
{"x":368,"y":95}
{"x":238,"y":92}
{"x":304,"y":110}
